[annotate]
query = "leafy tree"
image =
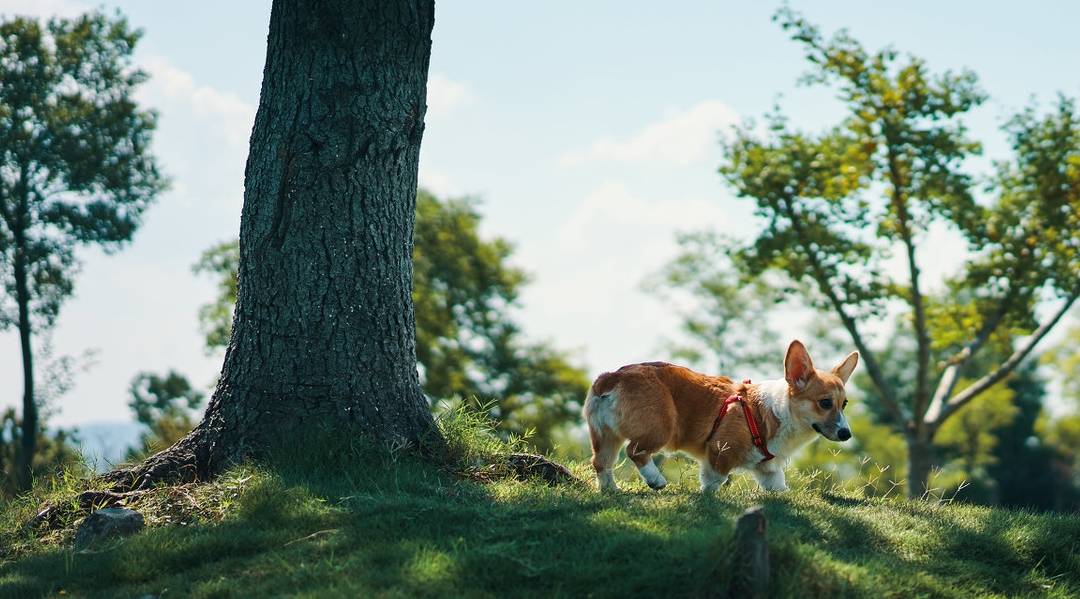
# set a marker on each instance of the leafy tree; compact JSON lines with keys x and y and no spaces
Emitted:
{"x":835,"y":206}
{"x":165,"y":405}
{"x":55,"y":452}
{"x":468,"y":346}
{"x":1060,"y":434}
{"x":56,"y":448}
{"x":1029,"y":469}
{"x":1064,"y":358}
{"x":75,"y":169}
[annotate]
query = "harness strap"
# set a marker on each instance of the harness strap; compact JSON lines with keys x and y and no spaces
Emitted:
{"x":751,"y":423}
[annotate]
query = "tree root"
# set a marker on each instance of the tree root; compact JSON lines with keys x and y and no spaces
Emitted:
{"x":189,"y":461}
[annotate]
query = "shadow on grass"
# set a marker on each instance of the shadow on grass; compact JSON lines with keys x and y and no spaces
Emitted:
{"x":400,"y":527}
{"x":378,"y":524}
{"x":936,"y":550}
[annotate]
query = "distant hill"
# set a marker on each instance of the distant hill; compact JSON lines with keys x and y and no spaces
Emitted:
{"x":104,"y":443}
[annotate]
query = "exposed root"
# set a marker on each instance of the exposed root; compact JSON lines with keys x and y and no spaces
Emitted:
{"x":186,"y":461}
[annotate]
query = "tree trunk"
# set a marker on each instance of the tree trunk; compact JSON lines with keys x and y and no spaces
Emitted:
{"x":29,"y":426}
{"x":323,"y":332}
{"x":920,"y":461}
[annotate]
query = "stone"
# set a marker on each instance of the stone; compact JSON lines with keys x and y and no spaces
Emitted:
{"x":108,"y":523}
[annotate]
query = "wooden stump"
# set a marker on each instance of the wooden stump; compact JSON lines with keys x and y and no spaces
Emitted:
{"x":750,"y":573}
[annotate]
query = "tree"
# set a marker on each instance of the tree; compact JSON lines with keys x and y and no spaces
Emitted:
{"x":322,"y":344}
{"x":56,"y":452}
{"x":56,"y":448}
{"x":164,"y":405}
{"x":835,"y":206}
{"x":75,"y":169}
{"x":1059,"y":434}
{"x":1064,"y":358}
{"x":1027,"y":468}
{"x":468,"y":345}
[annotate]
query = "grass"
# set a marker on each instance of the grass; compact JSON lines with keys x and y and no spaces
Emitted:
{"x":383,"y":524}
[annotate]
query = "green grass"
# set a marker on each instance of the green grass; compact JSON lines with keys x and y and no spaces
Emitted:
{"x":369,"y":523}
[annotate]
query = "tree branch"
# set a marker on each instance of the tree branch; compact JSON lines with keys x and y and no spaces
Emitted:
{"x":922,"y":333}
{"x":822,"y":279}
{"x":951,"y":375}
{"x":972,"y":391}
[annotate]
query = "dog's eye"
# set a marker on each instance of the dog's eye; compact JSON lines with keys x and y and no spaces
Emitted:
{"x":844,"y":405}
{"x":826,"y":404}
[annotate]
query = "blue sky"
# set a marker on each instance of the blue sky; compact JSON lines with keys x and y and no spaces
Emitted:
{"x":587,"y":129}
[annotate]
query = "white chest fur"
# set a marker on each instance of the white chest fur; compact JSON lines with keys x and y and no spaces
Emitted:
{"x":791,"y":435}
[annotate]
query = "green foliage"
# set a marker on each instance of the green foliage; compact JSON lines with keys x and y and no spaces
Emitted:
{"x":55,"y":453}
{"x":1031,"y":468}
{"x":972,"y":434}
{"x":467,"y":344}
{"x":359,"y":522}
{"x":1060,"y":435}
{"x":222,"y":262}
{"x":469,"y":348}
{"x":164,"y":404}
{"x":74,"y":151}
{"x":872,"y":464}
{"x":1064,"y":358}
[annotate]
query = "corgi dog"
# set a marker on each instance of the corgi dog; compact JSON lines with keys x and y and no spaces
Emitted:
{"x":656,"y":405}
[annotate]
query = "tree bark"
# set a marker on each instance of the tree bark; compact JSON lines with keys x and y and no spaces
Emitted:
{"x":920,"y":461}
{"x":323,"y":331}
{"x":28,"y":435}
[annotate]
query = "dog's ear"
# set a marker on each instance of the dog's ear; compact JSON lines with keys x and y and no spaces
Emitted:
{"x":797,"y":365}
{"x":845,"y":368}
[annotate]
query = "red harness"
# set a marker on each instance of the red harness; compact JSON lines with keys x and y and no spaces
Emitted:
{"x":751,"y":423}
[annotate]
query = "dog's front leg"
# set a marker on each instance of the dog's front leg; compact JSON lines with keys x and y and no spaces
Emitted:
{"x":711,"y":480}
{"x":770,"y":475}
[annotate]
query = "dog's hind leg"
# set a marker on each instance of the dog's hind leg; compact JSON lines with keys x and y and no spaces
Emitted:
{"x":641,"y":454}
{"x":600,"y":416}
{"x":605,"y":447}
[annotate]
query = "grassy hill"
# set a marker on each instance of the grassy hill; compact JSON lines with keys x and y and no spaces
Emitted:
{"x":368,"y":523}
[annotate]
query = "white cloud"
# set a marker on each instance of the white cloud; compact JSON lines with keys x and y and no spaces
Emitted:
{"x":229,"y":111}
{"x":445,"y":95}
{"x":619,"y":220}
{"x":681,"y":138}
{"x":589,"y":271}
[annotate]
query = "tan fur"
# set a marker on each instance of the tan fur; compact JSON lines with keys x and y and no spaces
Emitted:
{"x":656,"y":405}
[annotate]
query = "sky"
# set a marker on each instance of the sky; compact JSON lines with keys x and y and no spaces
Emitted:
{"x":587,"y":130}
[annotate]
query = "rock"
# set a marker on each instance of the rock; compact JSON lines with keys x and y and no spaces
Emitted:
{"x":528,"y":465}
{"x":108,"y":523}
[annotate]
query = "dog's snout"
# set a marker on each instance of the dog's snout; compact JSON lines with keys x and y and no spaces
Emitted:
{"x":843,"y":434}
